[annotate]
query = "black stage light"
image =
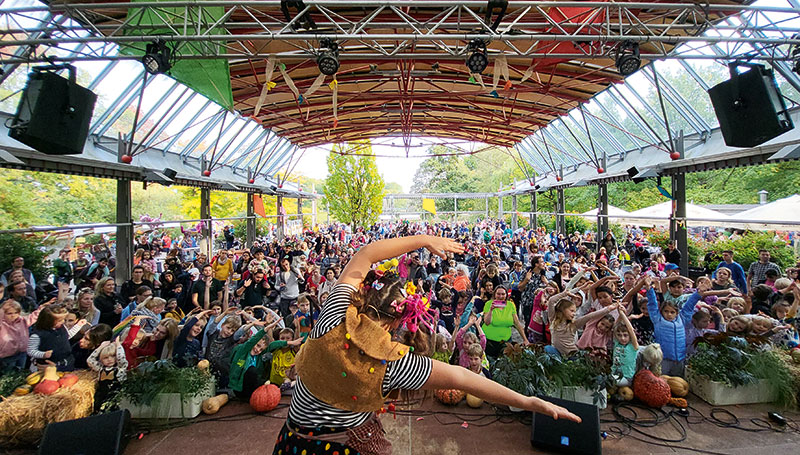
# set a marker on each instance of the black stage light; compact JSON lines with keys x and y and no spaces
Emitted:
{"x":157,"y":57}
{"x":328,"y":58}
{"x":477,"y":60}
{"x":794,"y":54}
{"x":628,"y":61}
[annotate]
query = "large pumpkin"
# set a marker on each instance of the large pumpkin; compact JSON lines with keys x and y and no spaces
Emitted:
{"x":68,"y":380}
{"x":450,"y":396}
{"x":650,"y":389}
{"x":678,"y":386}
{"x":46,"y":387}
{"x":265,"y":398}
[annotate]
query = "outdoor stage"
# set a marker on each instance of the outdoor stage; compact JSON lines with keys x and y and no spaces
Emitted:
{"x":235,"y":430}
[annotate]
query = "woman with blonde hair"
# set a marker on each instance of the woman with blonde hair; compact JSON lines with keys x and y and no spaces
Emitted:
{"x":107,"y":301}
{"x":84,"y":305}
{"x":157,"y":345}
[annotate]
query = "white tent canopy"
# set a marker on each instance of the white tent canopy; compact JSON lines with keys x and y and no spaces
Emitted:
{"x":772,"y":216}
{"x":658,"y":215}
{"x":613,"y":212}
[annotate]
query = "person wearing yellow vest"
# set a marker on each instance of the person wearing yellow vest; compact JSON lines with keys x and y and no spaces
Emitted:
{"x":499,"y":316}
{"x":350,"y":363}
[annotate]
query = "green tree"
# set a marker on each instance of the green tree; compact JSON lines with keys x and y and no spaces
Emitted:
{"x":28,"y":247}
{"x":354,"y":189}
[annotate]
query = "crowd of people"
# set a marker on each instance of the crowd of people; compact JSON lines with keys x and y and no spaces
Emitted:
{"x":249,"y":310}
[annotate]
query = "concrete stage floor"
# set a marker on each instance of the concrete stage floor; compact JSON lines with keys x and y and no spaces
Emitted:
{"x":236,"y":430}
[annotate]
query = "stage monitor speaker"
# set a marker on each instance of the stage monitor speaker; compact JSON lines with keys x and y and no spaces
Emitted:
{"x":564,"y":436}
{"x":103,"y":434}
{"x":749,"y":107}
{"x":54,"y":113}
{"x":170,"y":173}
{"x":632,"y":172}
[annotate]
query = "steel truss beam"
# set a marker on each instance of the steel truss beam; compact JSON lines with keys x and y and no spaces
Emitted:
{"x":435,"y":29}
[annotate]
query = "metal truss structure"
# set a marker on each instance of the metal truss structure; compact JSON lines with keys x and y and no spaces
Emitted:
{"x":550,"y":91}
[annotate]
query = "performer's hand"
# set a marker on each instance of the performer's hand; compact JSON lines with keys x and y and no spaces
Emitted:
{"x":547,"y":408}
{"x":441,"y":245}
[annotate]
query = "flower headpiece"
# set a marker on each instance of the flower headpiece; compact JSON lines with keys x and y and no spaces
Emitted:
{"x":415,"y":312}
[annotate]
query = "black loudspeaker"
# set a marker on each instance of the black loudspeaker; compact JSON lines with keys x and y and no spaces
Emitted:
{"x":632,"y":173}
{"x":170,"y":173}
{"x":749,"y":107}
{"x":103,"y":434}
{"x":54,"y":113}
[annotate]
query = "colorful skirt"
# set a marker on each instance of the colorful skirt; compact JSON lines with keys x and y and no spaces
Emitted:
{"x":291,"y":443}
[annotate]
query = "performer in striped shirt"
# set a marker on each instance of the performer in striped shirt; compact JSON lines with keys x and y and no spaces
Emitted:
{"x":350,"y":364}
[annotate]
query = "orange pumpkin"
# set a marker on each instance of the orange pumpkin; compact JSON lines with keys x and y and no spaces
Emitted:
{"x":46,"y":387}
{"x":68,"y":380}
{"x":265,"y":398}
{"x":450,"y":397}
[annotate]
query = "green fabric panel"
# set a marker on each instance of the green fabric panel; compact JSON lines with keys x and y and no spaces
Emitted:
{"x":209,"y":77}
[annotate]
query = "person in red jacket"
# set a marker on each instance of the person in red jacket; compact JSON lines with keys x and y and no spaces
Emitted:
{"x":156,"y":345}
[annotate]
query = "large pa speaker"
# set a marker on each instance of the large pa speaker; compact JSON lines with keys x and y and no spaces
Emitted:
{"x":54,"y":113}
{"x":103,"y":434}
{"x":749,"y":107}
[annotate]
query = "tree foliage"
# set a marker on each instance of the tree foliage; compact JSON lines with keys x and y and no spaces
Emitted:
{"x":28,"y":247}
{"x":354,"y":189}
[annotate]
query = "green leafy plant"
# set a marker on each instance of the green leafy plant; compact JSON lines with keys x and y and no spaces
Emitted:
{"x":746,"y":248}
{"x":10,"y":381}
{"x":736,"y":362}
{"x":149,"y":379}
{"x":28,"y":247}
{"x":697,"y":248}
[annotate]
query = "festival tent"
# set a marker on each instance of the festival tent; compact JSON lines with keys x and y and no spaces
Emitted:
{"x":772,"y":216}
{"x":658,"y":215}
{"x":613,"y":212}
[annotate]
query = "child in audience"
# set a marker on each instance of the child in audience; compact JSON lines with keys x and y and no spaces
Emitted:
{"x":740,"y":325}
{"x":597,"y":334}
{"x":536,"y":326}
{"x":157,"y":345}
{"x":564,"y":325}
{"x":110,"y":363}
{"x":90,"y":341}
{"x":738,"y":304}
{"x":672,"y":288}
{"x":475,"y":356}
{"x":188,"y":345}
{"x":702,"y":324}
{"x":465,"y":338}
{"x":151,"y":307}
{"x":220,"y":347}
{"x":669,"y":324}
{"x":49,"y":340}
{"x":283,"y":351}
{"x":302,"y":318}
{"x":442,"y":351}
{"x":14,"y":334}
{"x":625,"y":349}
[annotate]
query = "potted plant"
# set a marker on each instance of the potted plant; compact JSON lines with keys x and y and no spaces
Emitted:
{"x":732,"y":370}
{"x":523,"y":371}
{"x":162,"y":390}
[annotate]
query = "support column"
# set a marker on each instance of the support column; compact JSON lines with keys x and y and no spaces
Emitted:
{"x":561,"y":225}
{"x":313,"y":208}
{"x":455,"y":208}
{"x":677,"y":222}
{"x":205,"y":214}
{"x":602,"y":212}
{"x":514,"y":220}
{"x":499,"y":207}
{"x":534,"y":208}
{"x":487,"y":206}
{"x":122,"y":271}
{"x":281,"y":216}
{"x":250,"y":224}
{"x":300,"y":211}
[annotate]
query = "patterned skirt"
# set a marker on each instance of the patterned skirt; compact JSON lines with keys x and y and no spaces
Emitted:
{"x":291,"y":443}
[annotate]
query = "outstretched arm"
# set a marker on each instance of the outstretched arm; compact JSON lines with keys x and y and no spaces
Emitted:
{"x":451,"y":376}
{"x":360,"y":264}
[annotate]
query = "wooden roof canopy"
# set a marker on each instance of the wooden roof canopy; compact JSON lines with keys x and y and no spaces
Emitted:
{"x":425,"y":88}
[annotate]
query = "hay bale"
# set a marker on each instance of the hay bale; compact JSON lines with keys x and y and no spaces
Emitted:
{"x":23,"y":418}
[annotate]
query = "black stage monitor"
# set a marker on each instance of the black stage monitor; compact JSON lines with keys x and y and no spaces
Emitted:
{"x":565,"y":436}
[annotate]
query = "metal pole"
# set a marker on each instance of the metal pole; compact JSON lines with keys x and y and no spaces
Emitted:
{"x":561,"y":225}
{"x":514,"y":221}
{"x":678,"y":221}
{"x":300,"y":210}
{"x":122,"y":270}
{"x":313,"y":207}
{"x":455,"y":208}
{"x":500,"y":207}
{"x":205,"y":213}
{"x":486,"y":199}
{"x":280,"y":217}
{"x":534,"y":209}
{"x":251,"y":221}
{"x":602,"y":212}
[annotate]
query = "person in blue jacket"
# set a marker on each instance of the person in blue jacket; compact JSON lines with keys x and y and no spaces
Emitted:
{"x":669,"y":328}
{"x":737,"y":271}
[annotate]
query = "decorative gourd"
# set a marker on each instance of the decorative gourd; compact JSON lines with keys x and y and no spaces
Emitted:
{"x":796,"y":355}
{"x":265,"y":398}
{"x":68,"y":380}
{"x":678,"y":386}
{"x":212,"y":405}
{"x":34,"y":378}
{"x":450,"y":396}
{"x":626,"y":393}
{"x":473,"y":401}
{"x":50,"y":374}
{"x":203,"y":365}
{"x":46,"y":387}
{"x":650,"y":389}
{"x":678,"y":402}
{"x":23,"y":390}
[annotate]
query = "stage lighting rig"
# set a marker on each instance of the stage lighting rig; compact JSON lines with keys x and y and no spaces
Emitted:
{"x":328,"y":58}
{"x":477,"y":60}
{"x":157,"y":58}
{"x":628,"y":60}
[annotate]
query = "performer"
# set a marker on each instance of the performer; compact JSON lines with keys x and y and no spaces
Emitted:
{"x":350,"y":364}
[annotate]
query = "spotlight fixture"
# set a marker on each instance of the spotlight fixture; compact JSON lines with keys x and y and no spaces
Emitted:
{"x":157,"y":57}
{"x":328,"y":58}
{"x":477,"y":60}
{"x":628,"y":61}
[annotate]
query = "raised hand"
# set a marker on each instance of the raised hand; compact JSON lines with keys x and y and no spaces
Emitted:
{"x":441,"y":245}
